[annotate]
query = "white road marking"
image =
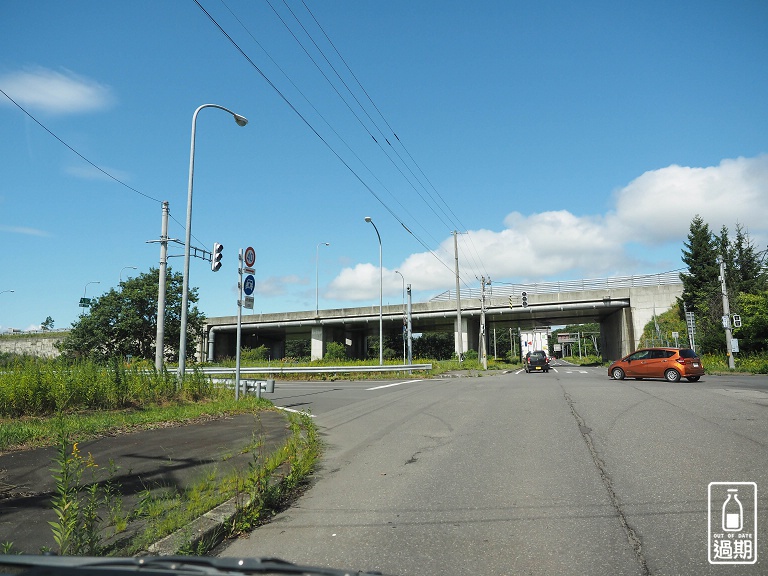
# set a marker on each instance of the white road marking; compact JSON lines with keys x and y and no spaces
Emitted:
{"x":394,"y":384}
{"x":296,"y":411}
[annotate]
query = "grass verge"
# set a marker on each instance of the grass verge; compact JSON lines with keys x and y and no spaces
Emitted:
{"x":95,"y":517}
{"x":29,"y":432}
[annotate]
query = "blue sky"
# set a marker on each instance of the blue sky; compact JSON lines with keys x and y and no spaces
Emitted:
{"x":565,"y":140}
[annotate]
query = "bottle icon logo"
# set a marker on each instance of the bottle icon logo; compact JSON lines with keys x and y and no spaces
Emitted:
{"x":732,"y":522}
{"x":733,"y":512}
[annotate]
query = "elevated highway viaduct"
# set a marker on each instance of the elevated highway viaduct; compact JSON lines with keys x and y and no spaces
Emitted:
{"x":622,"y":306}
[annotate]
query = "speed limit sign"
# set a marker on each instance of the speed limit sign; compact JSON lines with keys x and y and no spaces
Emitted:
{"x":250,"y":257}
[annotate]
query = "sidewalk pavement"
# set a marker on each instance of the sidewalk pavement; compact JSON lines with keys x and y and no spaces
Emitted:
{"x":170,"y":457}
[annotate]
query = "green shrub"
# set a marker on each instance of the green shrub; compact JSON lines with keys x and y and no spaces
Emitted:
{"x":335,"y":351}
{"x":471,"y":355}
{"x":260,"y":354}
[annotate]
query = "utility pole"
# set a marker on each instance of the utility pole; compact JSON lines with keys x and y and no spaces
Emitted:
{"x":483,"y":338}
{"x":160,"y":336}
{"x":726,"y":315}
{"x":410,"y":327}
{"x":460,"y":341}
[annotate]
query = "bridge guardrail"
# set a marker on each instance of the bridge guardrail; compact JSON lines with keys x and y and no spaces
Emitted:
{"x":663,"y":279}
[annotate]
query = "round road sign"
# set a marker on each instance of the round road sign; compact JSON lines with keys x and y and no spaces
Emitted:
{"x":249,"y":284}
{"x":250,"y":257}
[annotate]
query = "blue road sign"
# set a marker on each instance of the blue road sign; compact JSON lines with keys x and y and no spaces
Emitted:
{"x":249,"y":284}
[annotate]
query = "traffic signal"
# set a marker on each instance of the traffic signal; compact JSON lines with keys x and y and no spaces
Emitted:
{"x":216,"y":256}
{"x":524,"y":299}
{"x":736,"y":321}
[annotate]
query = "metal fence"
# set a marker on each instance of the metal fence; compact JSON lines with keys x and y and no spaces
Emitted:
{"x":315,"y":369}
{"x":505,"y":290}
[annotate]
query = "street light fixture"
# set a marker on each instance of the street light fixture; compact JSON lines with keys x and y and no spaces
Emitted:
{"x":126,"y":268}
{"x":85,"y":302}
{"x":317,"y":276}
{"x":87,"y":284}
{"x":241,"y":121}
{"x":381,"y":296}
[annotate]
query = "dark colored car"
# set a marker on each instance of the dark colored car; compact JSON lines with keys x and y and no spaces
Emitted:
{"x":537,"y":361}
{"x":668,"y":363}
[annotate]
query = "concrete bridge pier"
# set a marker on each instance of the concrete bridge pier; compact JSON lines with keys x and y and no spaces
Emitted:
{"x":467,"y":334}
{"x":318,"y":342}
{"x":616,"y":335}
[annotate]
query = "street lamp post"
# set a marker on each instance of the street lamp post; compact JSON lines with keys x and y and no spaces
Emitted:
{"x":241,"y":121}
{"x":85,"y":289}
{"x":126,"y":268}
{"x":404,"y":316}
{"x":381,"y":296}
{"x":317,"y":276}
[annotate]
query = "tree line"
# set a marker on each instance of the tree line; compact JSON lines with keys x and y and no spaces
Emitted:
{"x":746,"y":283}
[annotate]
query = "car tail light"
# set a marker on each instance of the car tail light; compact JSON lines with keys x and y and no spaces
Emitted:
{"x":680,"y":360}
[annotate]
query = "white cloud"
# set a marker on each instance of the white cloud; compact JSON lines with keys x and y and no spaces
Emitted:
{"x":23,"y":230}
{"x":356,"y":283}
{"x":654,"y":211}
{"x":277,"y":285}
{"x":55,"y":92}
{"x":658,"y":206}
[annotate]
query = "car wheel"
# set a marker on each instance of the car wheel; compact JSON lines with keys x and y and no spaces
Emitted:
{"x":617,"y":374}
{"x":672,"y":375}
{"x":693,"y":378}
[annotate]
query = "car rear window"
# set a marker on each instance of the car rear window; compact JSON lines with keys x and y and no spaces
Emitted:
{"x":688,"y":353}
{"x":662,"y":353}
{"x":538,"y":355}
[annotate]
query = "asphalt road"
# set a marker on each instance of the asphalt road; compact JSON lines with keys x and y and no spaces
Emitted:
{"x":561,"y":473}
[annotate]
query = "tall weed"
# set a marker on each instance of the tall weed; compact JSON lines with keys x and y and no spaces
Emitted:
{"x":41,"y":387}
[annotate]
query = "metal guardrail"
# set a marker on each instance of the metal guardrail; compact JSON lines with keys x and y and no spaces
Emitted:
{"x":315,"y":369}
{"x":500,"y":291}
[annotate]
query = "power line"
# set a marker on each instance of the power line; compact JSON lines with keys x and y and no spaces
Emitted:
{"x":327,"y":123}
{"x":357,"y":117}
{"x":93,"y":164}
{"x":314,"y":130}
{"x":99,"y":168}
{"x":397,"y":138}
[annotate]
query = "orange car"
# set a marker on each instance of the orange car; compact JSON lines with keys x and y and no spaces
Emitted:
{"x":668,"y":363}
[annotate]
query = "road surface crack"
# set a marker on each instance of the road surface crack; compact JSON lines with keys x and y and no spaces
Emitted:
{"x":632,"y":537}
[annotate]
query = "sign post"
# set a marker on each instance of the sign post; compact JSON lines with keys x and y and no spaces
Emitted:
{"x":245,"y":261}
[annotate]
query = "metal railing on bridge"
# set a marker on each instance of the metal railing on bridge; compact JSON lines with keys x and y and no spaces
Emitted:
{"x":505,"y":290}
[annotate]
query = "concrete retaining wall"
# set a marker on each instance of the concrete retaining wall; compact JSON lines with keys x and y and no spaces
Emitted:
{"x":41,"y":344}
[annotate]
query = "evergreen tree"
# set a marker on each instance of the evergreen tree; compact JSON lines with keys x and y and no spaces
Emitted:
{"x":700,"y":255}
{"x":748,"y":272}
{"x":701,"y":285}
